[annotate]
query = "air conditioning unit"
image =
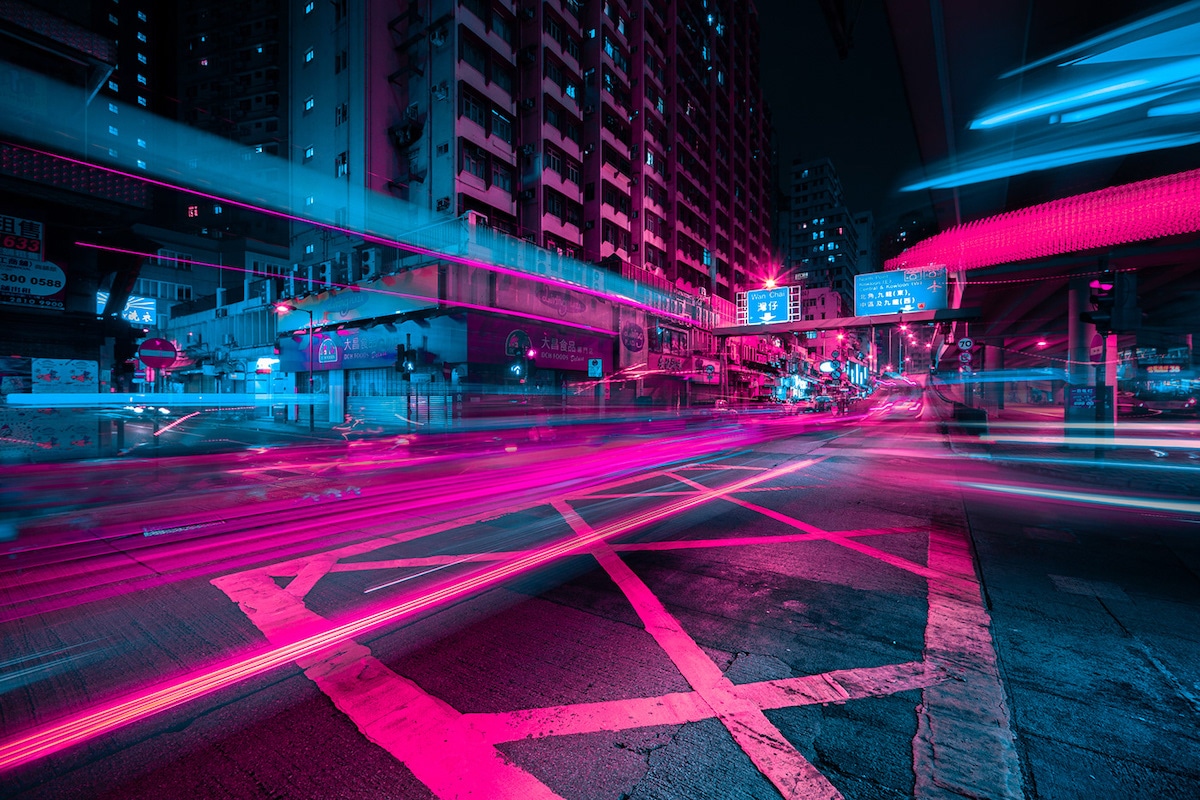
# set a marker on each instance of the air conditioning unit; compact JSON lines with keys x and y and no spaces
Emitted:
{"x":441,"y":91}
{"x":438,"y":37}
{"x":587,"y":226}
{"x":588,"y":108}
{"x":633,"y":215}
{"x":528,"y":104}
{"x":528,"y":194}
{"x":443,"y":204}
{"x":369,"y":263}
{"x":527,"y":149}
{"x":633,"y":248}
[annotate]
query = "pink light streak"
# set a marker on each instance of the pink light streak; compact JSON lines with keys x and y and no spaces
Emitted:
{"x":1151,"y":209}
{"x":53,"y":738}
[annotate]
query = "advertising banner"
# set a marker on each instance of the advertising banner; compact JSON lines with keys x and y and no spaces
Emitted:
{"x":57,"y":375}
{"x":26,"y":278}
{"x":496,"y":340}
{"x":899,"y":291}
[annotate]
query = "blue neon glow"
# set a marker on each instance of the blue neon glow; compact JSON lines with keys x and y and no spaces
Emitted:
{"x":1133,"y":87}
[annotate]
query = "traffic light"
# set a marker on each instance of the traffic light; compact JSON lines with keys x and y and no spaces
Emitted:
{"x":1103,"y":299}
{"x":406,"y":360}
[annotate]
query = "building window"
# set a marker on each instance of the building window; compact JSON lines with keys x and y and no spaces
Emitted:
{"x":339,"y":114}
{"x":309,"y":55}
{"x":472,"y":108}
{"x":502,"y":175}
{"x":341,"y":165}
{"x":141,"y":100}
{"x":309,"y":103}
{"x":501,"y":126}
{"x":308,"y":7}
{"x":473,"y":55}
{"x":309,"y":152}
{"x":141,"y":36}
{"x":113,"y":86}
{"x":308,"y":201}
{"x":309,"y":249}
{"x":141,"y":58}
{"x":473,"y":160}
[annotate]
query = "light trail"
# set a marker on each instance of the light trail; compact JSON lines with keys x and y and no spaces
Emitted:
{"x":1112,"y":501}
{"x":83,"y":727}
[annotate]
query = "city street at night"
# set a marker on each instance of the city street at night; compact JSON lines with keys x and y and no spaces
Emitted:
{"x":599,"y":400}
{"x":786,"y":606}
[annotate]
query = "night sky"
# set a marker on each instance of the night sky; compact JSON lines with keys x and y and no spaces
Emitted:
{"x":852,"y":111}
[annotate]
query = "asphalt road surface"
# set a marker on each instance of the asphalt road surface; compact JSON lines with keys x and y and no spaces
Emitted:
{"x":798,"y":607}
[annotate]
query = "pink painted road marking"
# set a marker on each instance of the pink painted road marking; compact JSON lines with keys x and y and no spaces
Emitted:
{"x":970,"y":712}
{"x":776,"y":758}
{"x":880,"y":555}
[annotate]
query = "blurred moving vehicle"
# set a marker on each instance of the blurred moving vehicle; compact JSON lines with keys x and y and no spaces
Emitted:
{"x":820,"y":403}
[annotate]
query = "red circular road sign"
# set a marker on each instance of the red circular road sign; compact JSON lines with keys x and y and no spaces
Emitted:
{"x":158,"y":353}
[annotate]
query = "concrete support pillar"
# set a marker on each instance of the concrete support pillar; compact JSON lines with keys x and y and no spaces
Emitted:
{"x":1080,"y":370}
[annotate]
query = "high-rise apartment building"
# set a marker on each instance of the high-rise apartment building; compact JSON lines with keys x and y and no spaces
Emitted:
{"x":821,"y":238}
{"x":616,"y":132}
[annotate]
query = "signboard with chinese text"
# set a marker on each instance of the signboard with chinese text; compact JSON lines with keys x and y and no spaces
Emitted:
{"x":488,"y":339}
{"x":764,"y":306}
{"x":900,"y":291}
{"x":138,"y":310}
{"x":26,"y":278}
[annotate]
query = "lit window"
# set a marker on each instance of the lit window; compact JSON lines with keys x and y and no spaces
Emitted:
{"x":112,"y":85}
{"x":112,"y":107}
{"x":141,"y":164}
{"x":142,"y":78}
{"x":141,"y":100}
{"x":309,"y":249}
{"x":141,"y":142}
{"x":193,"y":211}
{"x":309,"y":55}
{"x":112,"y":129}
{"x":308,"y":7}
{"x":309,"y":103}
{"x":113,"y":19}
{"x":142,"y":16}
{"x":142,"y":57}
{"x":204,"y":62}
{"x":309,"y":151}
{"x":217,"y":209}
{"x":112,"y":152}
{"x":141,"y":36}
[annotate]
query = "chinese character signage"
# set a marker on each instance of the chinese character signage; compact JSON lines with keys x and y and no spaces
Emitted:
{"x":26,"y":278}
{"x":901,"y":290}
{"x":764,"y":306}
{"x":139,"y":310}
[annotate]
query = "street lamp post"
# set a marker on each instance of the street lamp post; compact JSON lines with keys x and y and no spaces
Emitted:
{"x":282,"y":308}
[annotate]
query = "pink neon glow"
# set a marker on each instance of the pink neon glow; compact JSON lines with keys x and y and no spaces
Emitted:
{"x":1152,"y":209}
{"x":365,"y":236}
{"x":53,"y":738}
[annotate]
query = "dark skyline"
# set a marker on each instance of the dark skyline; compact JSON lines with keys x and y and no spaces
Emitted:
{"x":853,"y":110}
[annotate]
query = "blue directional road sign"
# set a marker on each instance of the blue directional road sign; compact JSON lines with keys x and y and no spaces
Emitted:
{"x":899,"y":291}
{"x":767,"y":305}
